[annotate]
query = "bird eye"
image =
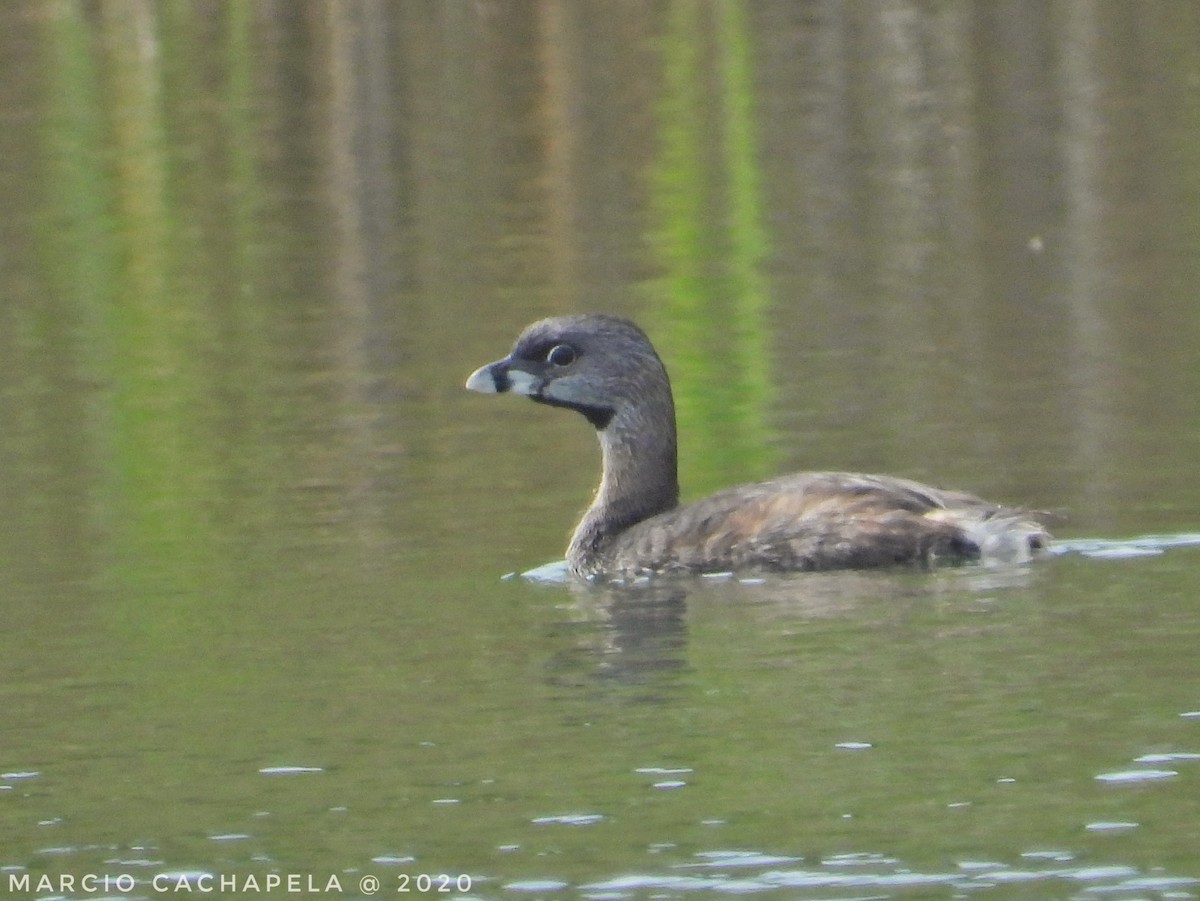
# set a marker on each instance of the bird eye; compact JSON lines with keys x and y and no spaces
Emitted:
{"x":561,"y":355}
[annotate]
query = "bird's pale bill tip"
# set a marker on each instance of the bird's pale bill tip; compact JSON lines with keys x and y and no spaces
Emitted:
{"x":483,"y":380}
{"x":502,"y":377}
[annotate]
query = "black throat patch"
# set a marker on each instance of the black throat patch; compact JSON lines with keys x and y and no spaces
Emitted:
{"x":599,"y":417}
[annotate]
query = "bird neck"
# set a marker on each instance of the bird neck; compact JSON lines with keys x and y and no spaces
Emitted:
{"x":640,"y":479}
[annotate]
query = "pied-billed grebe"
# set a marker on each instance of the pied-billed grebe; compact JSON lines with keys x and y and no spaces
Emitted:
{"x":606,"y":369}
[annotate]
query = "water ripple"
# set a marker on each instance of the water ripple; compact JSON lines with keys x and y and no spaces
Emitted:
{"x":870,"y":872}
{"x":1140,"y":546}
{"x":1122,"y":777}
{"x":570,"y":819}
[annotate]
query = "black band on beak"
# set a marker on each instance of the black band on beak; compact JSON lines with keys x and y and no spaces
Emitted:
{"x":490,"y":379}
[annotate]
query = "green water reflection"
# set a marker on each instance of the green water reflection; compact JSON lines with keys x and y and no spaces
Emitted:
{"x":250,"y":520}
{"x":713,"y":318}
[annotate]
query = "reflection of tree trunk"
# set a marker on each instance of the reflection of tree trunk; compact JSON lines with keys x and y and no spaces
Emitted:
{"x":159,"y":466}
{"x":560,"y":80}
{"x":359,"y":174}
{"x":1091,"y":360}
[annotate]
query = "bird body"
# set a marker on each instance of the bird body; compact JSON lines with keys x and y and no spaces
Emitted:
{"x":607,"y":369}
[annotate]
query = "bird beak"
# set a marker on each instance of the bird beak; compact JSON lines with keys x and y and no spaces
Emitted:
{"x":499,"y":377}
{"x":490,"y":379}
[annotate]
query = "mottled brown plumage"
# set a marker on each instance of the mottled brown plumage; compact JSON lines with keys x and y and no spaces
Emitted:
{"x":606,"y":369}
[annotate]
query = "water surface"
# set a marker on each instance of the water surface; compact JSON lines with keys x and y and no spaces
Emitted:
{"x":253,"y":530}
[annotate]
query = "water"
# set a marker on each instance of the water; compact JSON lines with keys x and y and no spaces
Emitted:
{"x":253,"y":533}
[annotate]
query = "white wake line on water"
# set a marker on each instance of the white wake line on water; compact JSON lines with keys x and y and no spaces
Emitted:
{"x":1140,"y":546}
